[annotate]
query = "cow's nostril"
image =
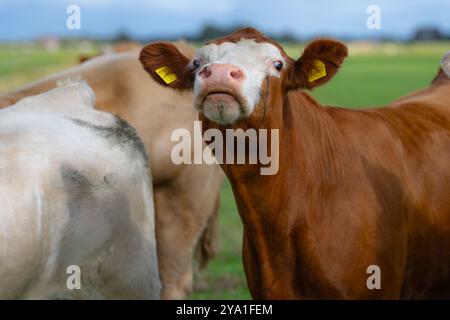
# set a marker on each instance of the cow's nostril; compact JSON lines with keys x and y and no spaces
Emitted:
{"x":236,"y":74}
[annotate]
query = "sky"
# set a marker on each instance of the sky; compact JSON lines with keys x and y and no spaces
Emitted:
{"x":31,"y":19}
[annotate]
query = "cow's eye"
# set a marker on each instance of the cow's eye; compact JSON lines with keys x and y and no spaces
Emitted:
{"x":196,"y":64}
{"x":278,"y":65}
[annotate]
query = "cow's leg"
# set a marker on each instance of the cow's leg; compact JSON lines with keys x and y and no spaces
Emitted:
{"x":183,"y":208}
{"x":252,"y":272}
{"x":208,"y":243}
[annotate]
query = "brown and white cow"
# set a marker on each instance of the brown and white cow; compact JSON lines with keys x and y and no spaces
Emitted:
{"x":355,"y":189}
{"x":185,"y":225}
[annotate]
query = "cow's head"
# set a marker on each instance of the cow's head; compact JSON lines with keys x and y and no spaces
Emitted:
{"x":234,"y":75}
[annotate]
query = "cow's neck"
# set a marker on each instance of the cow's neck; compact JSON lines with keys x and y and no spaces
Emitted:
{"x":309,"y":143}
{"x":270,"y":204}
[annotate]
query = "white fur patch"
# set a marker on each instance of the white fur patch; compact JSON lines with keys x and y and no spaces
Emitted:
{"x":445,"y":64}
{"x":78,"y":81}
{"x":254,"y":58}
{"x":69,"y":98}
{"x":70,"y":81}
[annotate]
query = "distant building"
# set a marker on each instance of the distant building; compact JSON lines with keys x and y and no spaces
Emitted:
{"x":51,"y":44}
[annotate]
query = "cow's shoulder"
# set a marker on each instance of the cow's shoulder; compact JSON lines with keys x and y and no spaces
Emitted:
{"x":71,"y":96}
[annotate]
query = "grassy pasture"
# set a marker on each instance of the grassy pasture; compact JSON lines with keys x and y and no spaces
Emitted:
{"x":373,"y":75}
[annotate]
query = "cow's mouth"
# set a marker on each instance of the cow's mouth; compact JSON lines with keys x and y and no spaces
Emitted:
{"x":221,"y":106}
{"x":222,"y":96}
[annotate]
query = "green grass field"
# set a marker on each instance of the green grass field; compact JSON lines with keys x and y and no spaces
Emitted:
{"x":369,"y":77}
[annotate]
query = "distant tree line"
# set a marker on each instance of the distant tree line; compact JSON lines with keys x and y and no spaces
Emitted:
{"x":210,"y":31}
{"x":429,"y":34}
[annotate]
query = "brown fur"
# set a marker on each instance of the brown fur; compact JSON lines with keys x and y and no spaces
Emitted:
{"x":183,"y":221}
{"x":120,"y":47}
{"x":84,"y":57}
{"x":355,"y":188}
{"x":127,"y":46}
{"x":440,"y":77}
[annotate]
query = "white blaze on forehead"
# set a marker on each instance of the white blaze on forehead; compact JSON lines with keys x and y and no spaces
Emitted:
{"x":247,"y":53}
{"x":254,"y":58}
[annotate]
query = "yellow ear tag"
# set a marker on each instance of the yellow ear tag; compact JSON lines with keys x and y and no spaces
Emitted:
{"x":166,"y":74}
{"x":319,"y":71}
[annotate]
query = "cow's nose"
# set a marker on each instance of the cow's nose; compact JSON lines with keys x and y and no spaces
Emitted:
{"x":222,"y":73}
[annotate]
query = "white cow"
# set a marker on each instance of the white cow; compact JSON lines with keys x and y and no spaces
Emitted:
{"x":75,"y":202}
{"x":445,"y":64}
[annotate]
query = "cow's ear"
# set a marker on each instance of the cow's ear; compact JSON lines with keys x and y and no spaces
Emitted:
{"x":319,"y":62}
{"x":167,"y":65}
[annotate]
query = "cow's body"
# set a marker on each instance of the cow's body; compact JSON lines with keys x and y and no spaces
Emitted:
{"x":357,"y":191}
{"x":185,"y":225}
{"x":74,"y":193}
{"x":354,"y":189}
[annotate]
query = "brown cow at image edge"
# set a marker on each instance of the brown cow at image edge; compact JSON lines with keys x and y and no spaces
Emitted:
{"x":355,"y":188}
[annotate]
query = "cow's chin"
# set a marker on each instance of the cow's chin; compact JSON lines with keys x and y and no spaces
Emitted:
{"x":222,"y":108}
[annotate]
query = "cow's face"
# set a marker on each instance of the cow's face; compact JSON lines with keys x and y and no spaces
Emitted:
{"x":231,"y":77}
